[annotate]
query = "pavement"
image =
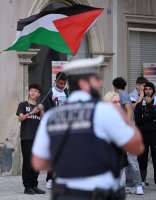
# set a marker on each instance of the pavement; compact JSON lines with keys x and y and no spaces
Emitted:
{"x":11,"y":188}
{"x":149,"y":191}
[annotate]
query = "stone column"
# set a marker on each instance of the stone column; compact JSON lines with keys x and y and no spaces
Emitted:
{"x":25,"y":60}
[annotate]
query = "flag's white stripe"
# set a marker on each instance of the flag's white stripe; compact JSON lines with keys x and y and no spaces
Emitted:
{"x":45,"y":22}
{"x":17,"y":36}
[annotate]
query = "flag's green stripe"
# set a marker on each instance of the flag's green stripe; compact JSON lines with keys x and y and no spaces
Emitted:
{"x":43,"y":37}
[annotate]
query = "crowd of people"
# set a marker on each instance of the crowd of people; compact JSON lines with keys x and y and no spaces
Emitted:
{"x":139,"y":106}
{"x":76,"y":135}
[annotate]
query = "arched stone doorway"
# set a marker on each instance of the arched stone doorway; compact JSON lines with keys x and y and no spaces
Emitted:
{"x":39,"y":71}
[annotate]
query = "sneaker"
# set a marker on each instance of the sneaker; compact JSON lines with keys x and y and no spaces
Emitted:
{"x":130,"y":190}
{"x":139,"y":190}
{"x":29,"y":190}
{"x":38,"y":191}
{"x":49,"y":184}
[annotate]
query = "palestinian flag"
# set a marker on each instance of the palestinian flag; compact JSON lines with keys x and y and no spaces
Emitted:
{"x":61,"y":30}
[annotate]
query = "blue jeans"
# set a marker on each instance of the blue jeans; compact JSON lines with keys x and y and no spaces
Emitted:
{"x":133,"y":176}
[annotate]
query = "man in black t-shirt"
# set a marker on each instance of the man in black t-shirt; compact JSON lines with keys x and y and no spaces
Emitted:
{"x":29,"y":114}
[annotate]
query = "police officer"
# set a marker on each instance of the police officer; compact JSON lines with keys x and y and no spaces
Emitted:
{"x":82,"y":140}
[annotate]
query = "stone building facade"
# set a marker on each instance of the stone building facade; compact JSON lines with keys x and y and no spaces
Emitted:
{"x":125,"y":34}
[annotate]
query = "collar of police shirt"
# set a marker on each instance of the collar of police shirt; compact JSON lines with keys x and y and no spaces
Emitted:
{"x":106,"y":180}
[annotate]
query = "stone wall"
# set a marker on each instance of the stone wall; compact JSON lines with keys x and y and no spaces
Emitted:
{"x":11,"y":85}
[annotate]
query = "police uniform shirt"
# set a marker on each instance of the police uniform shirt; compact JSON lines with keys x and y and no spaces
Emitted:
{"x":108,"y":125}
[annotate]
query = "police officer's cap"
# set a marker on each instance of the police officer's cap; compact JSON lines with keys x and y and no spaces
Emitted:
{"x":84,"y":66}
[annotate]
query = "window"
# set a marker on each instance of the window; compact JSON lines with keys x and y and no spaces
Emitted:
{"x":141,"y":49}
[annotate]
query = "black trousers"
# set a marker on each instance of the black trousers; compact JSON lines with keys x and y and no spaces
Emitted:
{"x":29,"y":175}
{"x":77,"y":197}
{"x":143,"y":159}
{"x":61,"y":192}
{"x":71,"y":197}
{"x":49,"y":176}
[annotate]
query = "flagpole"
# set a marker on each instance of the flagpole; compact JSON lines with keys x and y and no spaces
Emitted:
{"x":53,"y":85}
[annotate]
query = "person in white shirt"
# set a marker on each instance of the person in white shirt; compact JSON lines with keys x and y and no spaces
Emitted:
{"x":58,"y":94}
{"x":78,"y":139}
{"x":60,"y":91}
{"x":56,"y":97}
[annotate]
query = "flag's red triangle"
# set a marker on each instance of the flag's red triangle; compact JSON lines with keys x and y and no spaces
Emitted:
{"x":73,"y":28}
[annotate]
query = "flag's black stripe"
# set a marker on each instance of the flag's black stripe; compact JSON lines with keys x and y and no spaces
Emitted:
{"x":69,"y":11}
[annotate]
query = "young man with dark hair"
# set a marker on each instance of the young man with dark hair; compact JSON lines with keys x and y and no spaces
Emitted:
{"x":77,"y":140}
{"x":29,"y":114}
{"x":61,"y":76}
{"x":57,"y":96}
{"x":133,"y":176}
{"x":145,"y":117}
{"x":119,"y":85}
{"x":137,"y":94}
{"x":59,"y":92}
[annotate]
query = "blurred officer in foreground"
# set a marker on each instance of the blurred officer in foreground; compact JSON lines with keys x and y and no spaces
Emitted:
{"x":83,"y":139}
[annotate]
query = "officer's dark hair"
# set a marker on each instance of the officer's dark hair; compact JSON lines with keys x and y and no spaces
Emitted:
{"x":73,"y":81}
{"x":119,"y":83}
{"x":35,"y":86}
{"x":141,"y":80}
{"x":61,"y":76}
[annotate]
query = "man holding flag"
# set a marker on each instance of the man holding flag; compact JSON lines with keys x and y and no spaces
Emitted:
{"x":56,"y":97}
